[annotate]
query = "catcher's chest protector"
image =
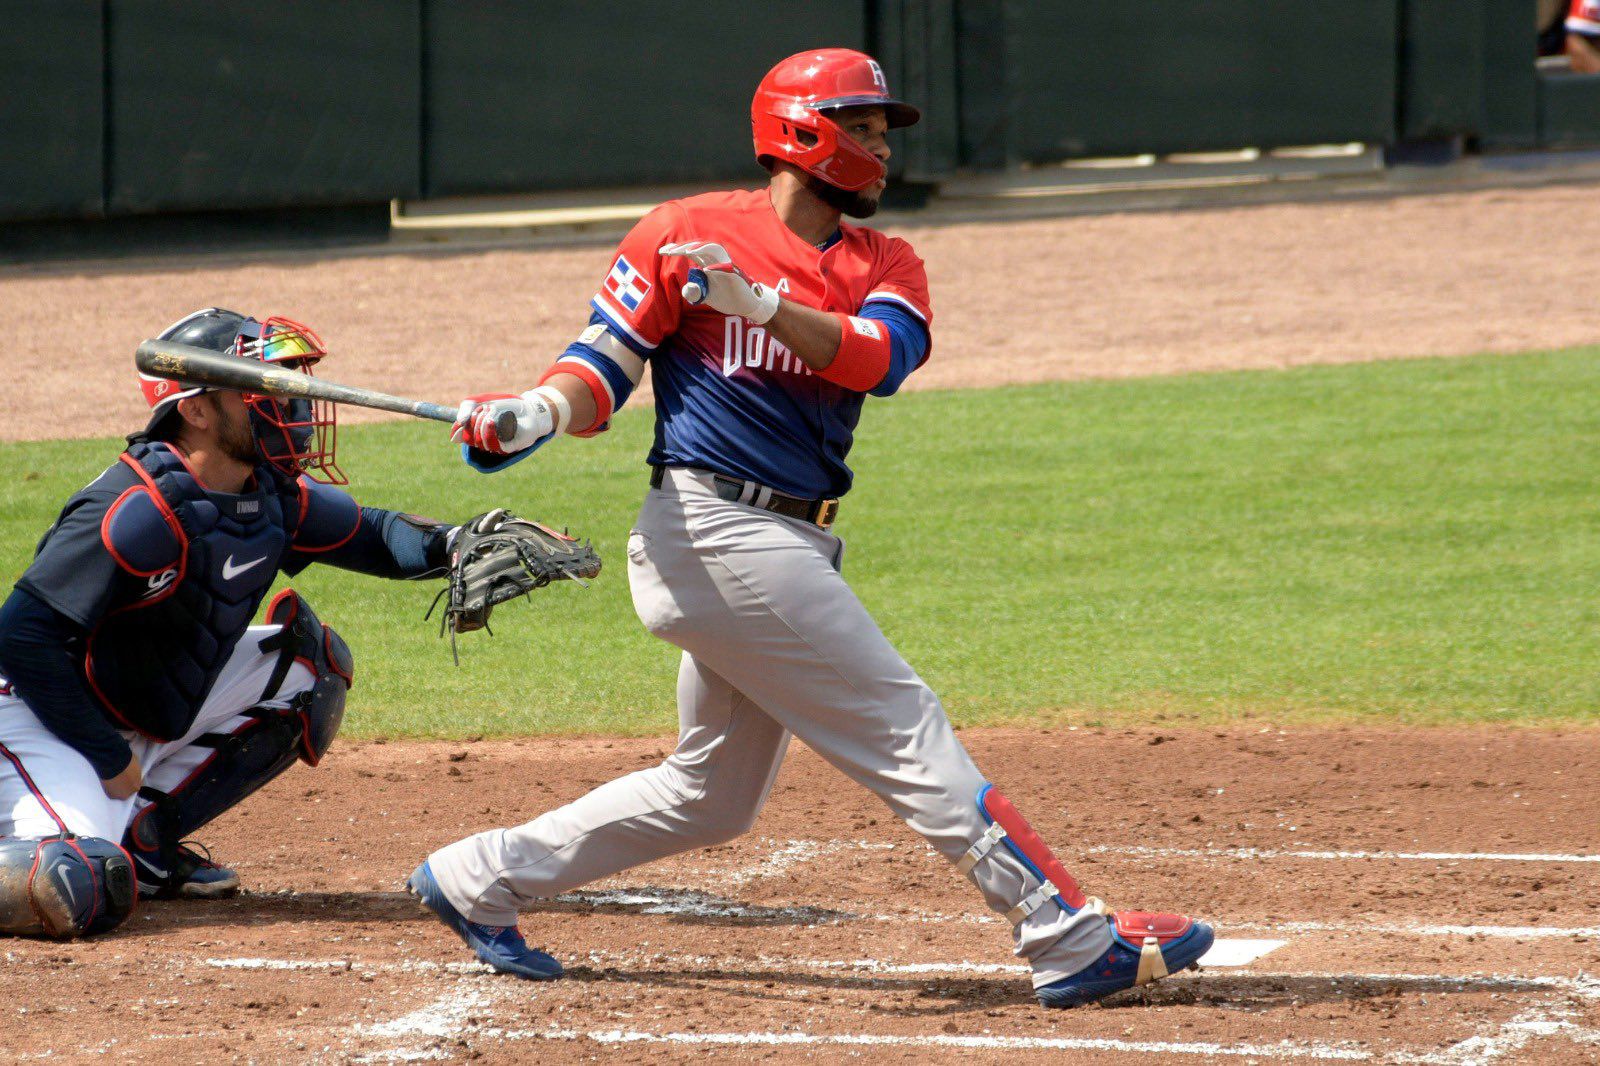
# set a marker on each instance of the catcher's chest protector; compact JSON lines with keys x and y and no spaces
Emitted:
{"x":195,"y":566}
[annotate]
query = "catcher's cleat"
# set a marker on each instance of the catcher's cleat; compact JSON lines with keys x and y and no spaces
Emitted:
{"x":499,"y":946}
{"x":196,"y":875}
{"x":1144,"y":948}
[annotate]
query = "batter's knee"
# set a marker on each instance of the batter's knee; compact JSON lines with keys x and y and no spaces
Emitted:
{"x":64,"y":886}
{"x":720,"y":822}
{"x":712,"y":813}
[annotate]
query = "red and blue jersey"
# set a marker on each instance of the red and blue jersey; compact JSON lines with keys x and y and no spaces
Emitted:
{"x":1584,"y":19}
{"x":730,"y":397}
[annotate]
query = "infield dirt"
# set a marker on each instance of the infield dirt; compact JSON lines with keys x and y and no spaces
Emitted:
{"x":1098,"y":296}
{"x":831,"y":930}
{"x":1434,"y":888}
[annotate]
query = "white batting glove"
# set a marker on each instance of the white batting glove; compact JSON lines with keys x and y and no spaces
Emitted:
{"x":479,"y":422}
{"x":716,"y":281}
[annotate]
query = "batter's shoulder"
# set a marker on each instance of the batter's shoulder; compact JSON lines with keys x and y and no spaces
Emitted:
{"x":712,"y":205}
{"x":880,"y":246}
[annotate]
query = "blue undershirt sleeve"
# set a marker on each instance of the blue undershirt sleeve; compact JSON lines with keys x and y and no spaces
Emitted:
{"x":385,"y":544}
{"x":36,"y":658}
{"x":908,"y":342}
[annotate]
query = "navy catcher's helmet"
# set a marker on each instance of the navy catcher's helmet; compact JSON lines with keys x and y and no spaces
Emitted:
{"x":296,"y":436}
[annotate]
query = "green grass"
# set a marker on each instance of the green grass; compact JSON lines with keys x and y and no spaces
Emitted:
{"x":1408,"y":541}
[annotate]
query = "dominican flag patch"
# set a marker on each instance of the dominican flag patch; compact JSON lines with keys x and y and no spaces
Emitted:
{"x":626,"y":285}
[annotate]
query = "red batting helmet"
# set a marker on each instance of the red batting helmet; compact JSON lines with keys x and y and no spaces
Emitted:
{"x":788,"y":114}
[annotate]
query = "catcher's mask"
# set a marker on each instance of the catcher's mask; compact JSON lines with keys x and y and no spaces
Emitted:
{"x":295,"y":436}
{"x":298,"y":436}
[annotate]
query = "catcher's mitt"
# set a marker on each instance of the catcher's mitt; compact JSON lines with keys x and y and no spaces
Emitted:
{"x":497,"y":556}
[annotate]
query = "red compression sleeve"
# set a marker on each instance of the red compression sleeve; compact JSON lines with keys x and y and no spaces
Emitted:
{"x":863,"y":356}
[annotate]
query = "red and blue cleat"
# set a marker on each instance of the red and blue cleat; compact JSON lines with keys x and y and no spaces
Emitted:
{"x":499,"y":946}
{"x":1144,"y":948}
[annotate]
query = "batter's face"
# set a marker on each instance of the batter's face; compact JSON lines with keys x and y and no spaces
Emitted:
{"x":868,"y":126}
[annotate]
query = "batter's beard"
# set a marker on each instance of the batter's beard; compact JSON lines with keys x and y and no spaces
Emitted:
{"x":852,"y":204}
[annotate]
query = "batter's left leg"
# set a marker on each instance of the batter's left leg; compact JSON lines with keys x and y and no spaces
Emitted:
{"x":708,"y":790}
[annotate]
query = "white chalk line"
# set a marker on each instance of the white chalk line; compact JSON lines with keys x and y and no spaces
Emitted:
{"x":1547,"y":1018}
{"x":1493,"y":932}
{"x":690,"y":903}
{"x":783,"y":856}
{"x":1306,"y":853}
{"x":1513,"y":1036}
{"x":1582,"y":986}
{"x":694,"y":904}
{"x":446,"y":1017}
{"x":442,"y":1018}
{"x":1286,"y":1049}
{"x":1231,"y":954}
{"x":459,"y":969}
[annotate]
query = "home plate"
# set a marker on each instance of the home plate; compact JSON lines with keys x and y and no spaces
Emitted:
{"x":1226,"y":952}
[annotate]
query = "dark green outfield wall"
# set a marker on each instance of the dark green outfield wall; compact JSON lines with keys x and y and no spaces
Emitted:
{"x":51,"y":109}
{"x":1171,"y":75}
{"x":602,"y":95}
{"x":138,"y":107}
{"x":261,"y":105}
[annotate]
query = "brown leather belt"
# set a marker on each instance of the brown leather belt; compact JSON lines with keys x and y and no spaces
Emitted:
{"x":820,"y":513}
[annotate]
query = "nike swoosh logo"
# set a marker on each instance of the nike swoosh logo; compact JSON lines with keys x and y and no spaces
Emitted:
{"x":229,"y":571}
{"x":66,"y":886}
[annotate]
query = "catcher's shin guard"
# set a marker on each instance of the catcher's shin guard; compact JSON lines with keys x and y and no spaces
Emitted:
{"x":1008,"y":828}
{"x":64,"y":886}
{"x":264,"y":746}
{"x":306,"y":640}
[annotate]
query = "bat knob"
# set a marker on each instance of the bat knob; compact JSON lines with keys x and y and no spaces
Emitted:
{"x":505,"y":426}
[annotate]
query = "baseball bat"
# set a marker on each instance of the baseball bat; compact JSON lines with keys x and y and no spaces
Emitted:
{"x":200,"y":366}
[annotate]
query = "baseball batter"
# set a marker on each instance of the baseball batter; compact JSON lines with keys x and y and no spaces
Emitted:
{"x":768,"y":322}
{"x":1583,"y":36}
{"x":137,"y":702}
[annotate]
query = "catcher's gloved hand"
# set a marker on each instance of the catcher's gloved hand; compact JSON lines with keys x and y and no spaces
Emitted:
{"x":497,"y":556}
{"x":716,"y":281}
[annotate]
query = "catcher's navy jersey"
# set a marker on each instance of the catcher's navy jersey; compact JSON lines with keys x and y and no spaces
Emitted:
{"x":153,"y":579}
{"x":729,"y":396}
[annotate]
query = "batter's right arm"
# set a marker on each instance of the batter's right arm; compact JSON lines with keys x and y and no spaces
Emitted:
{"x":577,"y":395}
{"x":634,"y":310}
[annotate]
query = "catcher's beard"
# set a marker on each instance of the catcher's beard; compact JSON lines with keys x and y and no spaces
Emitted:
{"x":853,"y":204}
{"x":235,"y":438}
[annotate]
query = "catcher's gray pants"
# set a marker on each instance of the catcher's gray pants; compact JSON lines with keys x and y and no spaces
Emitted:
{"x":774,"y":643}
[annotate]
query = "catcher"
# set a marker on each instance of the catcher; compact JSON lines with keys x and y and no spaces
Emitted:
{"x":137,"y":702}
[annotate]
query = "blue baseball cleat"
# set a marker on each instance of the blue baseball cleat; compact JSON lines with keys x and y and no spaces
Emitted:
{"x":499,"y":946}
{"x":1144,"y":948}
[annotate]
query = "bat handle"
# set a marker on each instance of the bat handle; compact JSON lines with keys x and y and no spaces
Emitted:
{"x":505,"y":426}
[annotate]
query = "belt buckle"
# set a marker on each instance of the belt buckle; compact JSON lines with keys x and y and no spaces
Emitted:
{"x":827,"y":513}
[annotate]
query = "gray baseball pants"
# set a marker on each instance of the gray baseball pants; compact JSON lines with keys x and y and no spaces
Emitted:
{"x":775,"y":643}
